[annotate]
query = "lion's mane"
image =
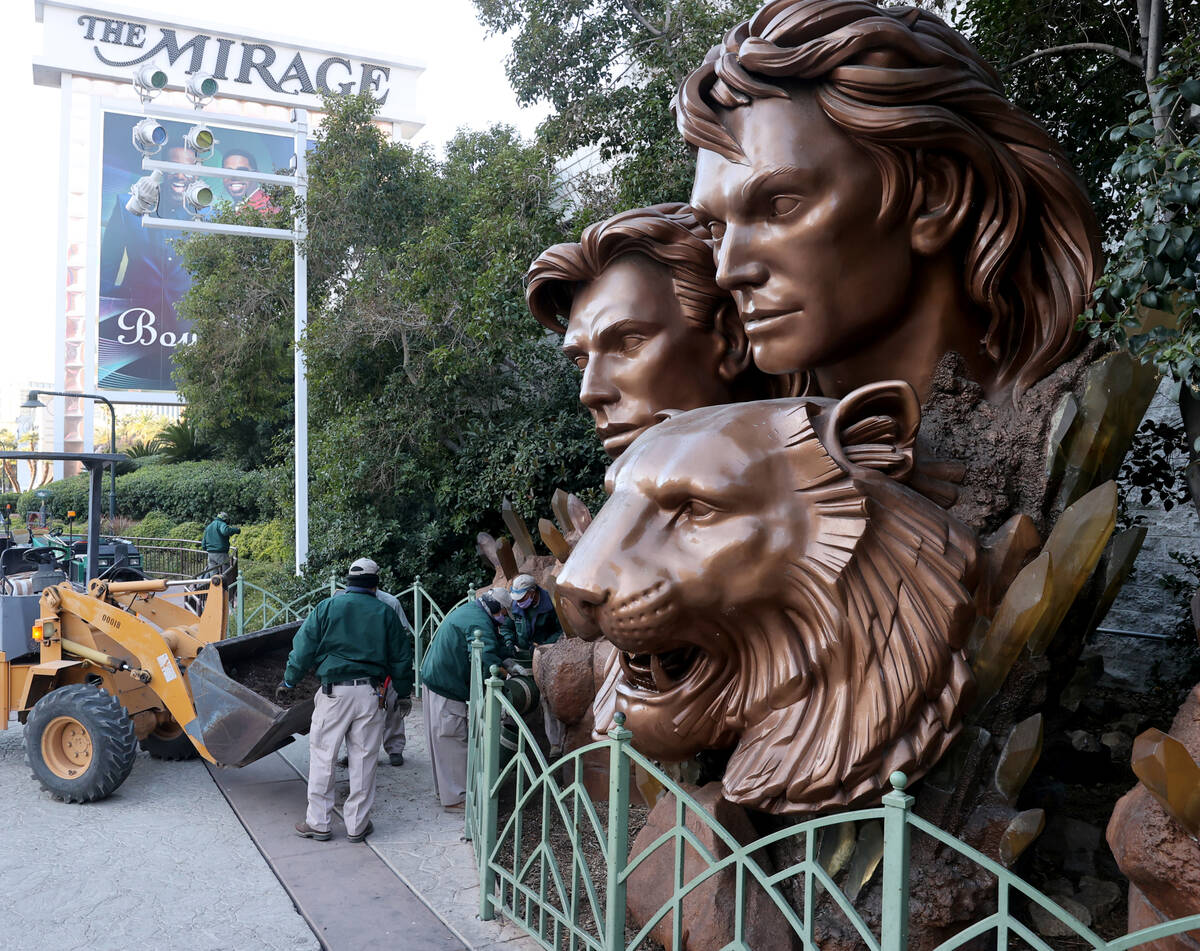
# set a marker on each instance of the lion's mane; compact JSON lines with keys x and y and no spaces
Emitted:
{"x":871,"y":631}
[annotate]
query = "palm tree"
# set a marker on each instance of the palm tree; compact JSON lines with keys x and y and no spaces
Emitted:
{"x":181,"y":442}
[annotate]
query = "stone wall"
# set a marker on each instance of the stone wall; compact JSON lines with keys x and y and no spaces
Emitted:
{"x":1144,"y":605}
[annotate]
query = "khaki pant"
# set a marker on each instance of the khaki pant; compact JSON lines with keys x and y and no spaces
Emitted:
{"x":446,"y":731}
{"x":353,"y":714}
{"x":218,"y":559}
{"x":398,"y":708}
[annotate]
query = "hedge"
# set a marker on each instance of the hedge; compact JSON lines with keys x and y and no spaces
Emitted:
{"x":185,"y":491}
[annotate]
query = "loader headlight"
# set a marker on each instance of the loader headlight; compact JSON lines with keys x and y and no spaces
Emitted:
{"x":37,"y":631}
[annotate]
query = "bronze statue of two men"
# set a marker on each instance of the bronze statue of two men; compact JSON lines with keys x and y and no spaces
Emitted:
{"x":788,"y":560}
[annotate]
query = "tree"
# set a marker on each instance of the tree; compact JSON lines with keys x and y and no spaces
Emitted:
{"x":609,"y":69}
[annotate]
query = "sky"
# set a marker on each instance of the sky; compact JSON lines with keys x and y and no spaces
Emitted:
{"x":463,"y":86}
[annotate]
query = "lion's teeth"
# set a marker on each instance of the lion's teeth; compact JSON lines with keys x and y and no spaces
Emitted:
{"x":662,"y":679}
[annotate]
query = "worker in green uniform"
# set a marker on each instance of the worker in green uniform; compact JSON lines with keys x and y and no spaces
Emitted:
{"x":446,"y":676}
{"x":354,"y":642}
{"x":216,"y":541}
{"x":532,"y":619}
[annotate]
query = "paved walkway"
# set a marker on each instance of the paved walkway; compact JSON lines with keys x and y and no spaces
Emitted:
{"x":164,"y":863}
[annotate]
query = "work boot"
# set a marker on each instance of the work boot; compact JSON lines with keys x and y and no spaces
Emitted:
{"x":396,"y":759}
{"x":362,"y":835}
{"x":305,"y":831}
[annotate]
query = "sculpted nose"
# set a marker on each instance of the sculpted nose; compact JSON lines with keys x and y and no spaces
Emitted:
{"x":596,"y":389}
{"x":738,"y":267}
{"x":578,"y":607}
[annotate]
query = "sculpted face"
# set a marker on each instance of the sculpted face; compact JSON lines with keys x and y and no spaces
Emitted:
{"x":638,"y":353}
{"x":816,"y":271}
{"x":772,"y":586}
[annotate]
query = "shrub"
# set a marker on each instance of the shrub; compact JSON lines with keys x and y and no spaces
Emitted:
{"x":269,"y":542}
{"x":154,"y":525}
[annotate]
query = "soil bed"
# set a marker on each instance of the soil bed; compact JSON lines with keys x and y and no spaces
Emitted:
{"x":263,"y":674}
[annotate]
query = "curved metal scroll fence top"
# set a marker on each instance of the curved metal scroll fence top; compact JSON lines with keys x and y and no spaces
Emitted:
{"x":558,"y":863}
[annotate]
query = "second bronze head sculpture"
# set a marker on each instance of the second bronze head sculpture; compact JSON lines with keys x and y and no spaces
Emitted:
{"x":645,"y":322}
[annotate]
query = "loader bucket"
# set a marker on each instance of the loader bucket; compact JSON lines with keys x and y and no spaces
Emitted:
{"x":237,"y":724}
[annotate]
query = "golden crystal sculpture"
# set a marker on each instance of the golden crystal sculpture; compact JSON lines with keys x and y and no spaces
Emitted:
{"x":1020,"y":755}
{"x":1167,"y":770}
{"x":1026,"y":827}
{"x":1020,"y":612}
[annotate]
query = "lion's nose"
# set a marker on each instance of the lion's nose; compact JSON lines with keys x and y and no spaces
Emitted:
{"x":578,"y":609}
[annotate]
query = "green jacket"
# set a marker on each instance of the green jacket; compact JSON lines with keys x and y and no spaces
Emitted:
{"x":217,"y":535}
{"x":528,"y":627}
{"x":352,"y":636}
{"x":446,"y":669}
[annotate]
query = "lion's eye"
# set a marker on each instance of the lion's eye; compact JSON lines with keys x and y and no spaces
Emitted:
{"x":784,"y":205}
{"x":693,"y":511}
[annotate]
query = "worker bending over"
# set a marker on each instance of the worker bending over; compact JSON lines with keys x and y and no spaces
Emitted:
{"x":446,"y":676}
{"x":533,"y":621}
{"x":354,"y":642}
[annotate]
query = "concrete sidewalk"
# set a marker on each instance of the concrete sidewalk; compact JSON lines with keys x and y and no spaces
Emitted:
{"x":162,"y":863}
{"x":422,"y":843}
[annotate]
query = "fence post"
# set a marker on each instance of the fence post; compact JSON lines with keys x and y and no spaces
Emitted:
{"x":474,"y":719}
{"x":332,"y":583}
{"x":618,"y":833}
{"x":418,"y":627}
{"x":486,"y":826}
{"x":240,"y":597}
{"x":894,"y":926}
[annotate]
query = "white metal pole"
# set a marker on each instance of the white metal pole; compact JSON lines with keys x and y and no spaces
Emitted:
{"x":300,"y":228}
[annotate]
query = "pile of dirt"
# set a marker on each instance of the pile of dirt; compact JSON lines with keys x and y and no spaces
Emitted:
{"x":263,"y":674}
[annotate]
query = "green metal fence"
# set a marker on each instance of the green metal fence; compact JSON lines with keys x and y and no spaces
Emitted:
{"x":559,"y":863}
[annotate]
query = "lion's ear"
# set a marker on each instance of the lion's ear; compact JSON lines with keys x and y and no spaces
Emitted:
{"x":875,"y":427}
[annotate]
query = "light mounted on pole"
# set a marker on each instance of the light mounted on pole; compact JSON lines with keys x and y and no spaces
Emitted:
{"x":149,"y":137}
{"x":197,"y":197}
{"x":200,"y":139}
{"x":200,"y":89}
{"x":143,"y":195}
{"x":149,"y":81}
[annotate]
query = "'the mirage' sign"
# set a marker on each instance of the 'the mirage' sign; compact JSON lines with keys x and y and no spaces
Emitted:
{"x":85,"y":41}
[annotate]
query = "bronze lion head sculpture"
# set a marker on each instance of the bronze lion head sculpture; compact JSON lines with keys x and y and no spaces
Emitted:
{"x":774,"y":587}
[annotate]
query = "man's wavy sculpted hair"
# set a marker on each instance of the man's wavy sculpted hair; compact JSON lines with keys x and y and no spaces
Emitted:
{"x":897,"y":81}
{"x":667,"y":233}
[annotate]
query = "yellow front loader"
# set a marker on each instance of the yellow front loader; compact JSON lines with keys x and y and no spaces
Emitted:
{"x":113,"y":667}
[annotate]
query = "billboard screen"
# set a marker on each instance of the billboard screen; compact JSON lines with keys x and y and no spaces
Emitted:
{"x":142,"y":279}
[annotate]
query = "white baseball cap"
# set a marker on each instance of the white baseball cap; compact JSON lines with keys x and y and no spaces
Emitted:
{"x":364,"y":566}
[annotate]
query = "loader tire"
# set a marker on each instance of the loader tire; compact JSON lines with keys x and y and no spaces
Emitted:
{"x":80,"y":743}
{"x":169,"y":742}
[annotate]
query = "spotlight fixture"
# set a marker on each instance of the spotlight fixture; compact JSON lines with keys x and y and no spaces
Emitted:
{"x":197,"y":197}
{"x":143,"y":196}
{"x":200,"y":89}
{"x":148,"y":136}
{"x":199,"y":139}
{"x":149,"y":81}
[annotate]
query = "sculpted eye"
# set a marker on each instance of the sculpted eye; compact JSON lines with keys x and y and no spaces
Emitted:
{"x":717,"y":228}
{"x":580,"y":361}
{"x":784,"y":205}
{"x":631,"y":342}
{"x":694,"y":510}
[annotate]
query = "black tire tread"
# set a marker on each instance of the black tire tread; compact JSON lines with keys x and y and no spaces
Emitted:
{"x":114,"y":742}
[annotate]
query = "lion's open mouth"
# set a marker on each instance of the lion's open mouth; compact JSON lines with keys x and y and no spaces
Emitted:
{"x":659,"y":672}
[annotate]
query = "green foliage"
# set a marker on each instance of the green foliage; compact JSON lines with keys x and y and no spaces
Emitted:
{"x":1157,"y":264}
{"x":189,"y":491}
{"x":156,"y":524}
{"x":609,"y":69}
{"x":269,"y":542}
{"x":181,"y":442}
{"x":1181,"y":589}
{"x":142,"y":448}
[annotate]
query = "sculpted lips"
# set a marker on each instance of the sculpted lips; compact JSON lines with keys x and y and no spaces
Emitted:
{"x":761,"y":321}
{"x":616,"y":436}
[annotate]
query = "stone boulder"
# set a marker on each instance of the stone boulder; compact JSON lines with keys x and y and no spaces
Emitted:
{"x":708,"y":910}
{"x":1160,"y":858}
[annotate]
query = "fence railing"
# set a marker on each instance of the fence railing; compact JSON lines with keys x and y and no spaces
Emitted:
{"x":558,"y":864}
{"x":172,"y":557}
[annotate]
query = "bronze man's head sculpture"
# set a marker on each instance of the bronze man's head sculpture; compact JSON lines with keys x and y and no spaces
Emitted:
{"x":877,"y":201}
{"x":772,"y":585}
{"x":645,"y":321}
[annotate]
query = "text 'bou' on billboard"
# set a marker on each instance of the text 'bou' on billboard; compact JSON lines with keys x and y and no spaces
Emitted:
{"x":142,"y":278}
